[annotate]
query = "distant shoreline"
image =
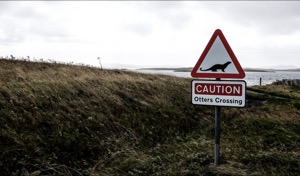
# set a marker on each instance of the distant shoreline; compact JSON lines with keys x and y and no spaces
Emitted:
{"x":189,"y":69}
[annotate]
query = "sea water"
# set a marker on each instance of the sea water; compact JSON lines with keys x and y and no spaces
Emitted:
{"x":252,"y":78}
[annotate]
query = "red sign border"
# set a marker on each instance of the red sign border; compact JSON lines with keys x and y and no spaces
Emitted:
{"x":240,"y":74}
{"x":208,"y":80}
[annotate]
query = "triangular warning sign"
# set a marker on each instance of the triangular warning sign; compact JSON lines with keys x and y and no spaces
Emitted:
{"x":218,"y":60}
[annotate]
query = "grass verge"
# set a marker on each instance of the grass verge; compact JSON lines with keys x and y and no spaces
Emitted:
{"x":59,"y":119}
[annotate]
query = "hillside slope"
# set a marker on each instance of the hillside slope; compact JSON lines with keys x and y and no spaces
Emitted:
{"x":60,"y":119}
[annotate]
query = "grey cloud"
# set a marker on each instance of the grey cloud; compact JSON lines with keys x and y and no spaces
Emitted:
{"x":162,"y":5}
{"x":23,"y":21}
{"x":268,"y":16}
{"x":170,"y":12}
{"x":4,"y":6}
{"x":10,"y":38}
{"x":166,"y":12}
{"x":179,"y":20}
{"x":50,"y":31}
{"x":29,"y":13}
{"x":10,"y":32}
{"x":139,"y":28}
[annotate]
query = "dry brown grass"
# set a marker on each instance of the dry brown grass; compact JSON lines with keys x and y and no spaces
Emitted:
{"x":63,"y":119}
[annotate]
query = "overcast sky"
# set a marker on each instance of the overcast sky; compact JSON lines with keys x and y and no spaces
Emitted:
{"x":150,"y":33}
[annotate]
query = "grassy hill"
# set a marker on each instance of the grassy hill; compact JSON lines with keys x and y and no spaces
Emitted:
{"x":58,"y":119}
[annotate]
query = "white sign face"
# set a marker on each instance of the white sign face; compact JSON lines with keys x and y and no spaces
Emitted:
{"x":219,"y":93}
{"x":217,"y":55}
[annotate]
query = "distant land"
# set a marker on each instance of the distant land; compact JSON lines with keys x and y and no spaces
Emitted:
{"x":246,"y":69}
{"x":289,"y":68}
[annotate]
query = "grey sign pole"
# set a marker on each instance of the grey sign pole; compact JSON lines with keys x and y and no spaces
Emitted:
{"x":217,"y":133}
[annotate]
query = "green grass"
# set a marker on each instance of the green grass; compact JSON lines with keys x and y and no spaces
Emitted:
{"x":76,"y":120}
{"x":282,"y":91}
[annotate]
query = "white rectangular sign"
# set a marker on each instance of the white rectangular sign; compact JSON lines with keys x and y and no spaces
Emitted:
{"x":219,"y":93}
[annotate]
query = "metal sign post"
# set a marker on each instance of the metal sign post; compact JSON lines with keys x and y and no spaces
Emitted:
{"x":217,"y":133}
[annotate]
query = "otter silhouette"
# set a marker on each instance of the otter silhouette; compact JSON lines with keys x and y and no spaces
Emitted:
{"x":216,"y":67}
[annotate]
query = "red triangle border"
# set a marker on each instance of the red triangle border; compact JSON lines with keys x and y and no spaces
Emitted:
{"x":240,"y":74}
